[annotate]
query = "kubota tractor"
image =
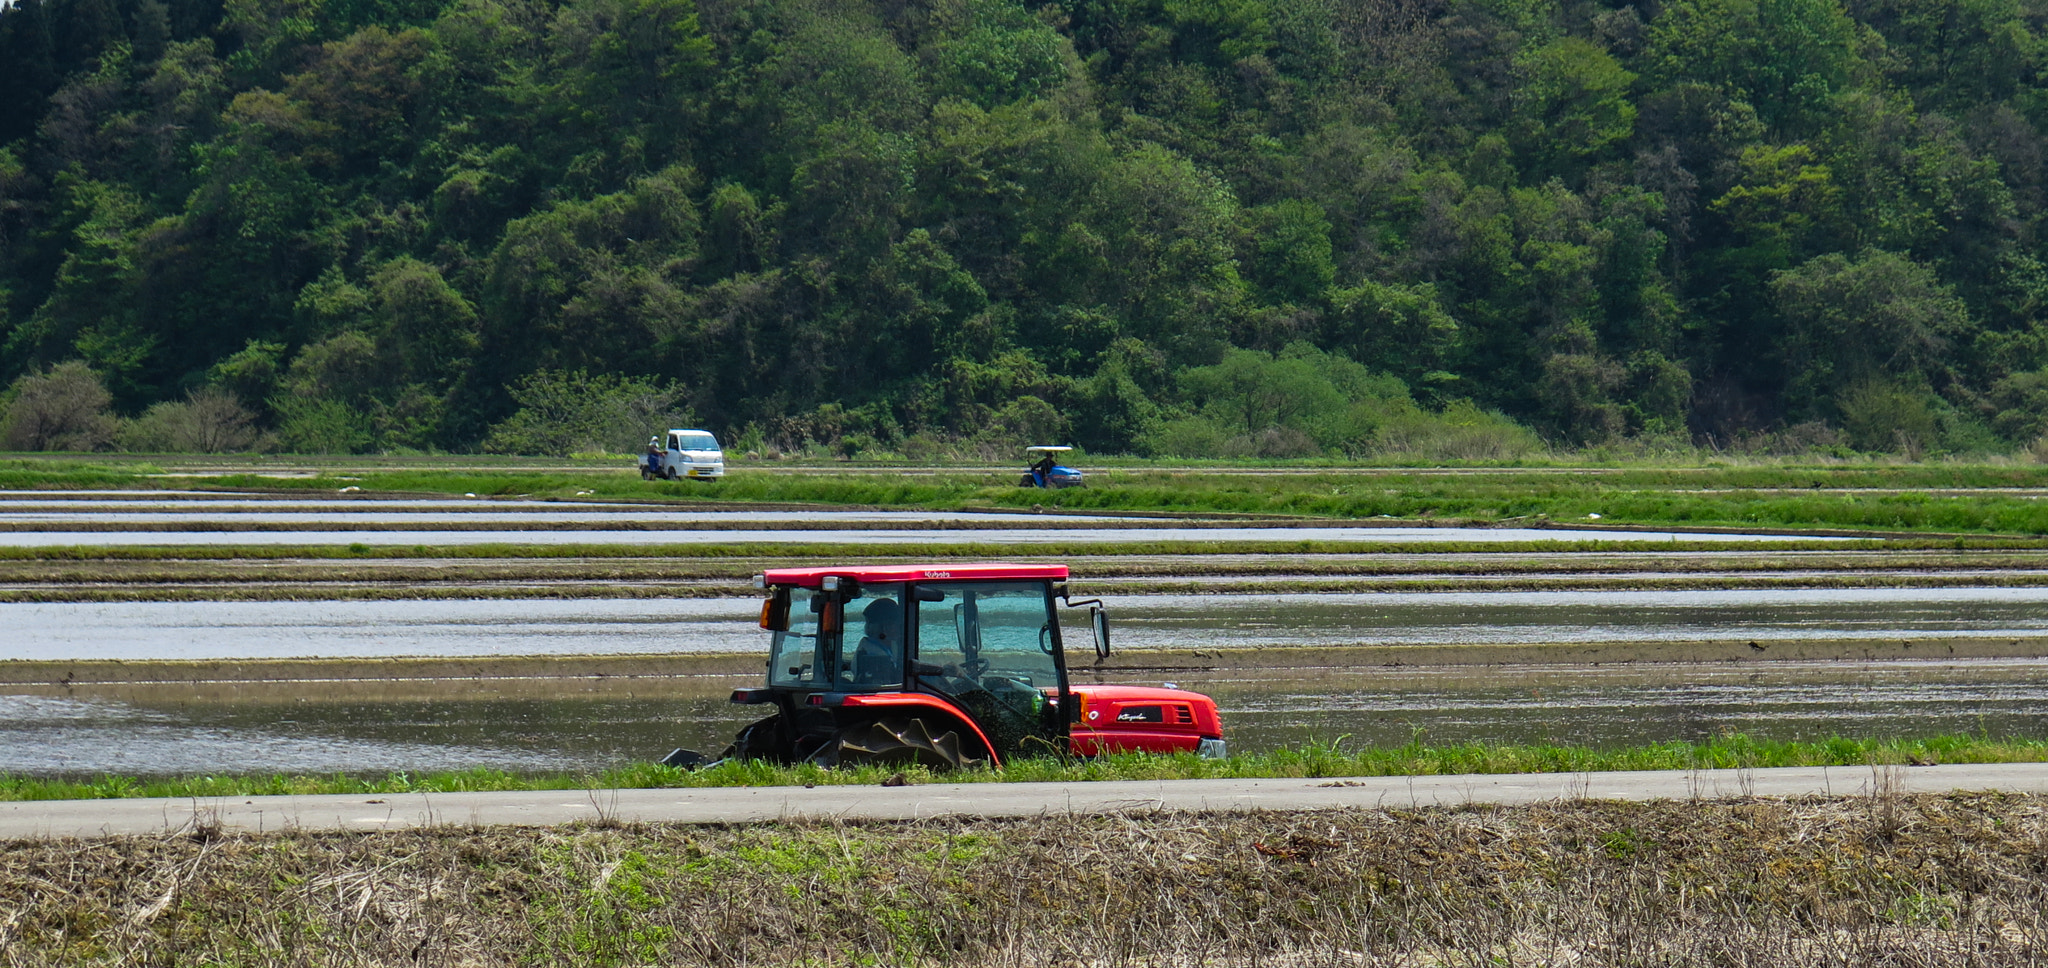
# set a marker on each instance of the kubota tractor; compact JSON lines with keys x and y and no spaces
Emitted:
{"x":943,"y":665}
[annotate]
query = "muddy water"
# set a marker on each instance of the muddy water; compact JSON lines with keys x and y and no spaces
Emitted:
{"x":584,"y":726}
{"x":581,"y":725}
{"x":1625,"y":707}
{"x":1441,"y":618}
{"x":276,"y":630}
{"x":197,"y":515}
{"x":250,"y":630}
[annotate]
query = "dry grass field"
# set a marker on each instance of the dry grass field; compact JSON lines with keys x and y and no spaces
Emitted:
{"x":1879,"y":880}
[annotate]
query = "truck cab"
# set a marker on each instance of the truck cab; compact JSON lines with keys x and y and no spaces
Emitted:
{"x":948,"y":665}
{"x":685,"y":454}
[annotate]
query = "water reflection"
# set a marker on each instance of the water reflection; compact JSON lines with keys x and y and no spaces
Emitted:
{"x":1449,"y":618}
{"x":580,"y":726}
{"x":1609,"y":708}
{"x":232,"y":630}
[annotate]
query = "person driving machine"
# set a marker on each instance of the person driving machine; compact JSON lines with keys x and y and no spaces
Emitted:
{"x":878,"y":659}
{"x":1043,"y":468}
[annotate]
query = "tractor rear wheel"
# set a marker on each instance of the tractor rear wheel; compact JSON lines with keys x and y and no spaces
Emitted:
{"x":895,"y":741}
{"x":1027,"y":481}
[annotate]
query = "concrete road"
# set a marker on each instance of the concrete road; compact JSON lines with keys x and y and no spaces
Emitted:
{"x":102,"y":818}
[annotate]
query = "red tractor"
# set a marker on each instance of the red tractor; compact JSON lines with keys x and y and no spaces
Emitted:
{"x":947,"y":666}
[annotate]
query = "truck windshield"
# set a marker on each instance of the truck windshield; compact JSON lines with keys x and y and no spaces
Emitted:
{"x":866,"y":654}
{"x":696,"y":442}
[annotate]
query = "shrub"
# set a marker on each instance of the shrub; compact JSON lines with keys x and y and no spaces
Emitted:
{"x":64,"y":408}
{"x":1811,"y":437}
{"x":568,"y":412}
{"x":320,"y":425}
{"x":1883,"y":416}
{"x":1186,"y":437}
{"x":1029,"y":420}
{"x":1461,"y":432}
{"x":209,"y":420}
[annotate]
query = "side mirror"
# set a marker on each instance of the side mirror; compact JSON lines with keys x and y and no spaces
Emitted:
{"x":1098,"y":618}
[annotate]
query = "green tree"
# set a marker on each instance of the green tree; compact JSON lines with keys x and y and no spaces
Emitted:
{"x":1878,"y":318}
{"x":1785,"y":57}
{"x":1290,"y":242}
{"x":1571,"y":103}
{"x":426,"y":327}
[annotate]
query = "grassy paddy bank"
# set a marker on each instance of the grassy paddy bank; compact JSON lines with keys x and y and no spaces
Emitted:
{"x":1962,"y":498}
{"x":1880,"y":880}
{"x":1327,"y":760}
{"x":1911,"y":499}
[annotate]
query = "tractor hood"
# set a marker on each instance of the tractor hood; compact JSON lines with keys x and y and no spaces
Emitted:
{"x":1117,"y":718}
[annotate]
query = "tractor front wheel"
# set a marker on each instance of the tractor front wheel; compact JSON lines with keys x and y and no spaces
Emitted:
{"x":760,"y":740}
{"x":1027,"y":481}
{"x":896,"y":741}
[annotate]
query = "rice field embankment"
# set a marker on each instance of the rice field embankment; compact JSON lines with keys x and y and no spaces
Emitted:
{"x":228,"y":572}
{"x":1882,"y":879}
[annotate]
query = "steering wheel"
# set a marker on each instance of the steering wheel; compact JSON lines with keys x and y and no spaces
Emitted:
{"x":966,"y":669}
{"x":1006,"y":684}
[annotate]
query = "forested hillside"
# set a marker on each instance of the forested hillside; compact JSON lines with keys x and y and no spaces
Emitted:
{"x":1284,"y":227}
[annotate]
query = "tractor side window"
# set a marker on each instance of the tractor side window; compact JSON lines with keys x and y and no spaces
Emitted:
{"x":866,"y":652}
{"x":986,"y":630}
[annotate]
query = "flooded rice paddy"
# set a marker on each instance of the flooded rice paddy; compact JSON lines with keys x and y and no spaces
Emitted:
{"x":588,"y":724}
{"x":578,"y":726}
{"x":379,"y":629}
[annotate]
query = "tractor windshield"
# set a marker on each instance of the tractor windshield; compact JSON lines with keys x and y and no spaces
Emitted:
{"x":865,"y":651}
{"x":994,"y":649}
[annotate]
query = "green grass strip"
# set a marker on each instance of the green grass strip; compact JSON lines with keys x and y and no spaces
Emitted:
{"x":1054,"y":551}
{"x":1317,"y":760}
{"x":1906,"y":498}
{"x":1792,"y":498}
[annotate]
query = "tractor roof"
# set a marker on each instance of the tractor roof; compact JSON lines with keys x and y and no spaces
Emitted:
{"x":1047,"y":450}
{"x":809,"y":577}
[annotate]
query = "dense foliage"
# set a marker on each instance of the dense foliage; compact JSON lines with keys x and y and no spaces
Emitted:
{"x":1253,"y":226}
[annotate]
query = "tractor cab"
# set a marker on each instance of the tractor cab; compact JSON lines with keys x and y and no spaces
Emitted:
{"x":944,"y":665}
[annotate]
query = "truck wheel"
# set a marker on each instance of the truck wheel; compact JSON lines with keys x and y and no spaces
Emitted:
{"x":672,"y":475}
{"x":644,"y":475}
{"x":894,"y":741}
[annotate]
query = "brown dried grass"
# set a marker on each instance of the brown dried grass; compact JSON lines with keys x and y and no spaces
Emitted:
{"x":1883,"y":880}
